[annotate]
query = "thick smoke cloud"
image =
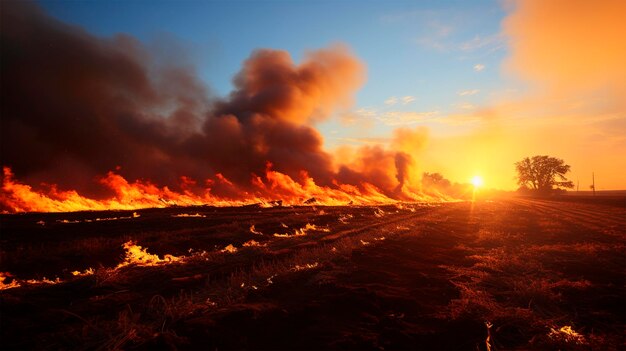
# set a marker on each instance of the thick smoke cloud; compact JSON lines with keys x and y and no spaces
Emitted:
{"x":75,"y":106}
{"x":392,"y":170}
{"x":269,"y":115}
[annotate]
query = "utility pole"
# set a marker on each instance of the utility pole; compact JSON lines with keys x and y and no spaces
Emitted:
{"x":593,"y":183}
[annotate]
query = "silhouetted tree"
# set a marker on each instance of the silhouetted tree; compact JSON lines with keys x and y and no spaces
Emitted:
{"x":542,"y":173}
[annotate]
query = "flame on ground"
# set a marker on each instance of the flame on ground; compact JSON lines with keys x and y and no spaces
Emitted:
{"x":302,"y":231}
{"x":275,"y":186}
{"x":86,"y":272}
{"x":44,"y":280}
{"x":567,"y":334}
{"x":67,"y":221}
{"x":139,"y":256}
{"x":254,"y":231}
{"x":16,"y":283}
{"x":3,"y":277}
{"x":135,"y":255}
{"x":230,"y":249}
{"x":252,"y":243}
{"x":187,"y":215}
{"x":305,"y":266}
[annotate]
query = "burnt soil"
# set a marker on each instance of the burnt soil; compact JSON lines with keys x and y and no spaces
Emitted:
{"x":410,"y":276}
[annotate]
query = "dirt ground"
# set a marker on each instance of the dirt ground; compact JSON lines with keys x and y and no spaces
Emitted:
{"x":510,"y":273}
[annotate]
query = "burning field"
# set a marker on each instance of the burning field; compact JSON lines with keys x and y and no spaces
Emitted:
{"x":502,"y":274}
{"x":117,"y":126}
{"x":140,"y":210}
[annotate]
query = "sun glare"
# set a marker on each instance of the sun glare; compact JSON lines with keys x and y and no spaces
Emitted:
{"x":477,"y":181}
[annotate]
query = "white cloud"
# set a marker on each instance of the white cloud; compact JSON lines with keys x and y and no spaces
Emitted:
{"x":366,"y":112}
{"x":466,"y":106}
{"x":408,"y":99}
{"x":405,"y":100}
{"x":395,"y":118}
{"x":391,"y":101}
{"x":469,"y":92}
{"x":489,"y":43}
{"x":432,"y":43}
{"x":479,"y":67}
{"x":436,"y":35}
{"x":399,"y":118}
{"x":363,"y":118}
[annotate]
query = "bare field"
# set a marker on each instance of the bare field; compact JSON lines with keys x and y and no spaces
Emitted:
{"x":504,"y":274}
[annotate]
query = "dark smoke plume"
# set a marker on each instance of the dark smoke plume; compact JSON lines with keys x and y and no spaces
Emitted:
{"x":75,"y":106}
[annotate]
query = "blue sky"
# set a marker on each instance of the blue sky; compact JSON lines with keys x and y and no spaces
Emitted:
{"x":427,"y":52}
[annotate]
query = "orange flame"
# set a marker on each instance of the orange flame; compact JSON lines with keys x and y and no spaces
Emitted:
{"x":3,"y":278}
{"x":19,"y":197}
{"x":135,"y":255}
{"x":306,"y":266}
{"x":45,"y":280}
{"x":254,"y":231}
{"x":187,"y":215}
{"x":567,"y":334}
{"x":230,"y":249}
{"x":86,"y":272}
{"x":251,"y":243}
{"x":302,"y":231}
{"x":16,"y":283}
{"x":139,"y":256}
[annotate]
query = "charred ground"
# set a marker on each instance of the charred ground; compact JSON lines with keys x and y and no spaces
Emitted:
{"x":412,"y":276}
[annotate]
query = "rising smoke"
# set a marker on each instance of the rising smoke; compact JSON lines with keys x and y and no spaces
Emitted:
{"x":75,"y":106}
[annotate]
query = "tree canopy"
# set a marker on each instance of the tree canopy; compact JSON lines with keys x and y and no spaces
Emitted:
{"x":542,"y":173}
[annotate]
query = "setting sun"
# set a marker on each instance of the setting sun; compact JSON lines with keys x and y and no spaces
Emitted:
{"x":477,"y":181}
